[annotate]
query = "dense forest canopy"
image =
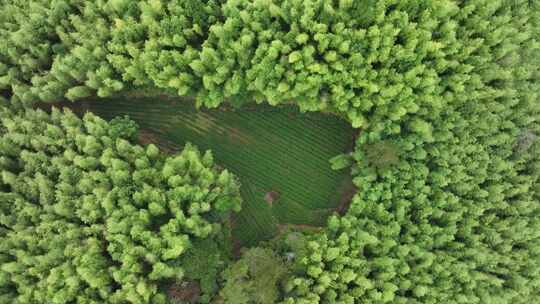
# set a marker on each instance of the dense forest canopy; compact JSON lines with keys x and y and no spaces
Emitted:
{"x":446,"y":94}
{"x":87,"y":216}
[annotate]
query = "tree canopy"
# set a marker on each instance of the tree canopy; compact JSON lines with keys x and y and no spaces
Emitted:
{"x":88,"y":217}
{"x":446,"y":165}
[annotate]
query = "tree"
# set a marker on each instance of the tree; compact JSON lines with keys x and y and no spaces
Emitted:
{"x":88,"y":216}
{"x":255,"y":278}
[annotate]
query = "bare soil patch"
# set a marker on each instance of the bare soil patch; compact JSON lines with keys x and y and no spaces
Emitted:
{"x":271,"y":196}
{"x":236,"y":244}
{"x":146,"y":137}
{"x":238,"y":136}
{"x":186,"y":291}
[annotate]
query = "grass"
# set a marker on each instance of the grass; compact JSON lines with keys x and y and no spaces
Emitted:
{"x":271,"y":149}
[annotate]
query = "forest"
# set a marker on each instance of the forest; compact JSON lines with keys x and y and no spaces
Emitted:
{"x":270,"y":151}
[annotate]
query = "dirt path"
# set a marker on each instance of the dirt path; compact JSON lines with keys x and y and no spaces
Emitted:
{"x":236,"y":244}
{"x":347,"y":193}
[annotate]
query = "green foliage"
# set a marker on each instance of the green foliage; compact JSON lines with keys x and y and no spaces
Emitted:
{"x":340,"y":161}
{"x":203,"y":263}
{"x":356,"y":58}
{"x":380,"y":155}
{"x":452,"y":84}
{"x":123,"y":127}
{"x":57,"y":49}
{"x":87,"y":217}
{"x":157,"y":43}
{"x":73,"y":49}
{"x":456,"y":220}
{"x":262,"y":145}
{"x":254,"y":278}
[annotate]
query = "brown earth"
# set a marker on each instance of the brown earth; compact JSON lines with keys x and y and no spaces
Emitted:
{"x":271,"y":197}
{"x":147,"y":136}
{"x":238,"y":136}
{"x":236,"y":244}
{"x":347,"y":193}
{"x":187,"y":291}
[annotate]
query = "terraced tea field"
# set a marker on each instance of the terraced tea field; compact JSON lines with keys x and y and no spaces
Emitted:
{"x":280,"y":155}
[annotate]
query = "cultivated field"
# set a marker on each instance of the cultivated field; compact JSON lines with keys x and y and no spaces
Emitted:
{"x":280,"y":155}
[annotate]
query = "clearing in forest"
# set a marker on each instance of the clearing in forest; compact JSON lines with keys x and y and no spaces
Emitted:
{"x":279,"y":154}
